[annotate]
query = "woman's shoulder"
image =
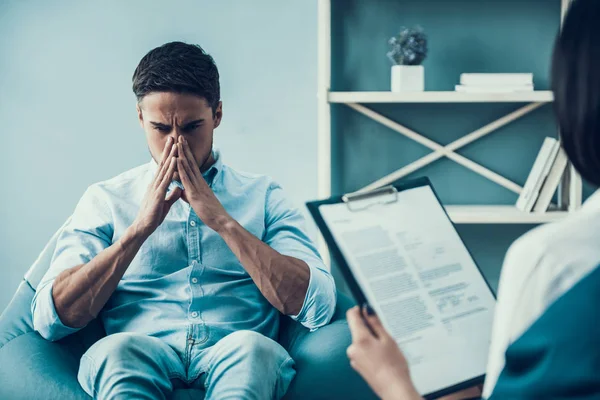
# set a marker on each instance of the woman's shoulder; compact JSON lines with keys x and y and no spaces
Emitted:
{"x":539,"y":267}
{"x":557,"y":255}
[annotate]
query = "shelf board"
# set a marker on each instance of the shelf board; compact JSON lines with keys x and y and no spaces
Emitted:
{"x":482,"y":214}
{"x":538,"y":96}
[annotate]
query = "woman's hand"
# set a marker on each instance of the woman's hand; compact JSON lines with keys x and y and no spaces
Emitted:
{"x":375,"y":355}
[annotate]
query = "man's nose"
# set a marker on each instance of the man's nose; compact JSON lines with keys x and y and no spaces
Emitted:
{"x":175,"y":135}
{"x":175,"y":138}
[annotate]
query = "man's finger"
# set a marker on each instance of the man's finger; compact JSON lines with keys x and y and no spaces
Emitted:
{"x":358,"y":329}
{"x":374,"y":322}
{"x":174,"y":196}
{"x":164,"y":154}
{"x":191,"y":160}
{"x":166,"y":150}
{"x":165,"y":167}
{"x":186,"y":164}
{"x":183,"y":175}
{"x":182,"y":153}
{"x":168,"y":176}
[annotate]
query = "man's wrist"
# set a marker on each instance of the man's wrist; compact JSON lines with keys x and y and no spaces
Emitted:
{"x":223,"y":224}
{"x":137,"y":233}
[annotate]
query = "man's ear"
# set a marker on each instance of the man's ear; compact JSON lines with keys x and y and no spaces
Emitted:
{"x":218,"y":114}
{"x":140,"y":115}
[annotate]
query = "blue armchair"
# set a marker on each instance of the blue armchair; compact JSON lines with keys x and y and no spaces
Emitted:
{"x":33,"y":368}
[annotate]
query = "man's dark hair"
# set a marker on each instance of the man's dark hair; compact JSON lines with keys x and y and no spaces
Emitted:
{"x":576,"y":86}
{"x":181,"y":68}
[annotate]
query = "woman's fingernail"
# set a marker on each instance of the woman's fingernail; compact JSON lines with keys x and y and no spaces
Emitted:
{"x":369,"y":310}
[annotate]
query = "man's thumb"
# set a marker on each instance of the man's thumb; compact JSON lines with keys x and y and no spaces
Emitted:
{"x":174,"y":196}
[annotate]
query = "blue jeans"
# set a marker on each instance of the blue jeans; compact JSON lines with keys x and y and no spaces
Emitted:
{"x":242,"y":365}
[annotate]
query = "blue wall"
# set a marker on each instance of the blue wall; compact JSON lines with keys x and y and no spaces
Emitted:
{"x":464,"y":36}
{"x":68,"y":114}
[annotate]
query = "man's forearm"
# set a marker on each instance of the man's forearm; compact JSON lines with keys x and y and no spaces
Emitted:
{"x":79,"y":293}
{"x":281,"y":279}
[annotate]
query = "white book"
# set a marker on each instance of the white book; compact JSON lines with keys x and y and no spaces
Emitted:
{"x":493,"y":89}
{"x":539,"y":171}
{"x":547,"y":166}
{"x":552,"y":181}
{"x":496,"y":79}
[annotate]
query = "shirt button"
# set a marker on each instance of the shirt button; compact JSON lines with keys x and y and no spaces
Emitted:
{"x":194,"y":280}
{"x":193,"y":223}
{"x":195,"y":314}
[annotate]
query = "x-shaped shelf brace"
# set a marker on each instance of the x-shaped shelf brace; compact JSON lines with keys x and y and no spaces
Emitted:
{"x":440,"y":151}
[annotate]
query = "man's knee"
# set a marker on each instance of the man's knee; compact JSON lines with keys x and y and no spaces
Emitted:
{"x":108,"y":350}
{"x":250,"y":344}
{"x":254,"y":355}
{"x":118,"y":345}
{"x":123,"y":362}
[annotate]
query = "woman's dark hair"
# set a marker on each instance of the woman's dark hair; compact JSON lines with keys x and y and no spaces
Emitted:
{"x":576,"y":86}
{"x":178,"y":67}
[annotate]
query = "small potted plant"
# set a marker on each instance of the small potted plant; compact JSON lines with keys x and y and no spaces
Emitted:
{"x":408,"y":49}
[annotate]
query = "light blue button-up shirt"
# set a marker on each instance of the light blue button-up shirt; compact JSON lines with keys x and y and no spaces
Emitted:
{"x":185,"y":283}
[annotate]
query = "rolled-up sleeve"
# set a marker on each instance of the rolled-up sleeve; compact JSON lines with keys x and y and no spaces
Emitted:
{"x":286,"y":233}
{"x":88,"y":233}
{"x":45,"y":318}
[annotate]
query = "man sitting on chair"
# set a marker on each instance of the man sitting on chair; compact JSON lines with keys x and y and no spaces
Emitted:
{"x":187,"y":262}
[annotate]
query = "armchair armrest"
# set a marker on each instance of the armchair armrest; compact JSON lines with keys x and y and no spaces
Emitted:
{"x":33,"y":368}
{"x":16,"y":318}
{"x":322,"y":366}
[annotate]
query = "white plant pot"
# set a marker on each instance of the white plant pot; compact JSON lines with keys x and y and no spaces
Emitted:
{"x":408,"y":78}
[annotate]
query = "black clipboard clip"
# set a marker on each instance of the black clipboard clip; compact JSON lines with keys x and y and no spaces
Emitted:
{"x":359,"y":201}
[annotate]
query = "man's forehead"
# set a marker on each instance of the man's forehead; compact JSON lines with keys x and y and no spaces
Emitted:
{"x":182,"y":107}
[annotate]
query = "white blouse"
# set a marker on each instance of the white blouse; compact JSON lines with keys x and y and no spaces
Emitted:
{"x":538,"y":268}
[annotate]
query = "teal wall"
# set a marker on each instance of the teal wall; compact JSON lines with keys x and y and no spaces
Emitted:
{"x":464,"y":36}
{"x":67,"y":113}
{"x":68,"y":116}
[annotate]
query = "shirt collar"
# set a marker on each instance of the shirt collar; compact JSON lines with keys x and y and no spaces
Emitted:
{"x":209,"y":175}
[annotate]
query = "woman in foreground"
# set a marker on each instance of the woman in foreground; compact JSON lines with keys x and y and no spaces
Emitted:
{"x":545,"y":340}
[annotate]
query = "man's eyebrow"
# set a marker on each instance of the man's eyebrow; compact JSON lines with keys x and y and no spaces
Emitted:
{"x":186,"y":125}
{"x":196,"y":121}
{"x":160,"y":124}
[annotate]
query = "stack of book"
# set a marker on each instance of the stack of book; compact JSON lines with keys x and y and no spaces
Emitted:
{"x":495,"y":83}
{"x":544,"y":178}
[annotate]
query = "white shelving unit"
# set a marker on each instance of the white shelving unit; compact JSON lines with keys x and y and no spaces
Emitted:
{"x":463,"y":214}
{"x":540,"y":96}
{"x":481,"y":214}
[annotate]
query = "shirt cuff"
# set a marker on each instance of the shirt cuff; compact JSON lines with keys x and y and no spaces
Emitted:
{"x":320,"y":300}
{"x":45,"y":318}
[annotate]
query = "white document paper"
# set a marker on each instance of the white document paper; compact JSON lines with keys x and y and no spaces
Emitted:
{"x":419,"y":277}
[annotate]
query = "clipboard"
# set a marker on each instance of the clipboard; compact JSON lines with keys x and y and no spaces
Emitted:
{"x":358,"y":202}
